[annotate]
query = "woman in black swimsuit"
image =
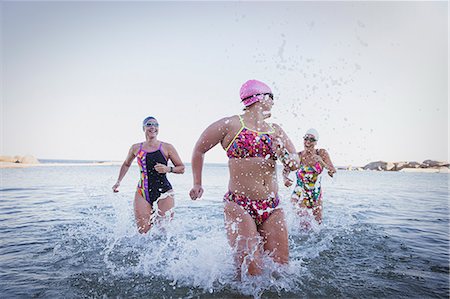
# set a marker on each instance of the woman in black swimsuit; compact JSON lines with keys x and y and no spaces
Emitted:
{"x":152,"y":157}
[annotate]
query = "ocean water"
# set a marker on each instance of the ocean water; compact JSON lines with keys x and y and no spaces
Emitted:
{"x":65,"y":234}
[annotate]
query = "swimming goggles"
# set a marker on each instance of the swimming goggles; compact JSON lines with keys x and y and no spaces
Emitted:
{"x":259,"y":94}
{"x":311,"y":139}
{"x":151,"y":124}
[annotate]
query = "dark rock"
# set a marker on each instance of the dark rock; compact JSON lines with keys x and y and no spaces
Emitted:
{"x":432,"y":163}
{"x":404,"y":164}
{"x":396,"y":166}
{"x":378,"y":165}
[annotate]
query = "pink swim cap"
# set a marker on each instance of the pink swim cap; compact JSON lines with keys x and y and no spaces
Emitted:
{"x":252,"y":91}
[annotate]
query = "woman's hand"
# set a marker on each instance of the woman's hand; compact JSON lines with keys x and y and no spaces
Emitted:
{"x":161,"y":168}
{"x":115,"y":188}
{"x":290,"y":160}
{"x":288,"y":182}
{"x":318,"y":158}
{"x":331,"y":172}
{"x":196,"y":192}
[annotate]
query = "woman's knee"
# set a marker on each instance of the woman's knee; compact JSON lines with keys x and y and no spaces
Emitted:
{"x":281,"y":255}
{"x":254,"y":268}
{"x":250,"y":260}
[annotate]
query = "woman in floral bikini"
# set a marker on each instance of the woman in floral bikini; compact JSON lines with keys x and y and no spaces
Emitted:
{"x":253,"y":220}
{"x":307,"y":193}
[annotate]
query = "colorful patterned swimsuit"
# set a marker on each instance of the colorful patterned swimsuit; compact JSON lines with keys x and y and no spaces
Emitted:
{"x":152,"y":183}
{"x":249,"y":143}
{"x":308,"y":190}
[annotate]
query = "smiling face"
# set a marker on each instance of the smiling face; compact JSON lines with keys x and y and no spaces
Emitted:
{"x":309,"y":141}
{"x":151,"y":128}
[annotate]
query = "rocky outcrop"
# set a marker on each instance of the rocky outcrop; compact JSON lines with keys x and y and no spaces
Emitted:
{"x":432,"y":163}
{"x":401,"y":165}
{"x":378,"y":165}
{"x":390,"y":166}
{"x":27,"y":159}
{"x":7,"y":159}
{"x":396,"y":166}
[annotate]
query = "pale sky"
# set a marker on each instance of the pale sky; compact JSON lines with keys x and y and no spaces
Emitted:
{"x":78,"y":78}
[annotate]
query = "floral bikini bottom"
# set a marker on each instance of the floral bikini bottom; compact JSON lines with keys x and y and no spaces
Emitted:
{"x":259,"y":210}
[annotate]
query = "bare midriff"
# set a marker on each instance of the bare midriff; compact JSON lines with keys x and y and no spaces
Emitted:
{"x":253,"y":177}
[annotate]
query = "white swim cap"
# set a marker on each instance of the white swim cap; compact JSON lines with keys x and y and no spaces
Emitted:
{"x":314,"y":133}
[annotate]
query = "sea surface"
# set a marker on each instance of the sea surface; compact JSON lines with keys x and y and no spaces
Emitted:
{"x":65,"y":234}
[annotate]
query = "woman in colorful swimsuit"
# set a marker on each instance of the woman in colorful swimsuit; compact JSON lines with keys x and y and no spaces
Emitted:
{"x":253,"y":220}
{"x":152,"y":157}
{"x":307,"y":193}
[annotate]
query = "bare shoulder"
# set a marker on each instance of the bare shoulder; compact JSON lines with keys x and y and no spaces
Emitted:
{"x":323,"y":152}
{"x":231,"y":121}
{"x":228,"y":123}
{"x":135,"y":148}
{"x":167,"y":146}
{"x":300,"y":154}
{"x":277,"y":128}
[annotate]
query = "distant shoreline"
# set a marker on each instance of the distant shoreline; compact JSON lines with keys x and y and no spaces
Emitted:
{"x":62,"y":163}
{"x":57,"y":164}
{"x":427,"y":166}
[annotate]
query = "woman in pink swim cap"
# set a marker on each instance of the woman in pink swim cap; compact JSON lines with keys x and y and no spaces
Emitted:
{"x":254,"y":222}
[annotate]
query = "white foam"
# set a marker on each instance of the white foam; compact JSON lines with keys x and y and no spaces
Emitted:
{"x":192,"y":250}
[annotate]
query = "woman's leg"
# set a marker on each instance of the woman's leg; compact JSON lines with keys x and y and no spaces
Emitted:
{"x":165,"y":205}
{"x":294,"y":202}
{"x":142,"y":213}
{"x":243,"y":237}
{"x":303,"y":212}
{"x":275,"y":236}
{"x":299,"y":206}
{"x":317,"y":211}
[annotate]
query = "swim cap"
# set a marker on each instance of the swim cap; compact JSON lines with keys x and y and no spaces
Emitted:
{"x":250,"y":91}
{"x":314,"y":133}
{"x":144,"y":122}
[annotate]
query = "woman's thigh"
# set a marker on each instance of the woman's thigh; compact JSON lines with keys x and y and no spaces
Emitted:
{"x":275,"y":235}
{"x":166,"y":204}
{"x":238,"y":223}
{"x":142,"y":213}
{"x":244,"y":238}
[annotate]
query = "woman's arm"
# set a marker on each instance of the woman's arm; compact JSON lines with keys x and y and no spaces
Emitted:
{"x":209,"y":138}
{"x":174,"y":157}
{"x":176,"y":160}
{"x":327,"y":161}
{"x":125,"y":166}
{"x":286,"y":150}
{"x":286,"y":179}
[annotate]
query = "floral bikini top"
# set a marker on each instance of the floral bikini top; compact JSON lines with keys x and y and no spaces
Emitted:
{"x":249,"y":143}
